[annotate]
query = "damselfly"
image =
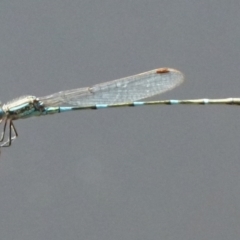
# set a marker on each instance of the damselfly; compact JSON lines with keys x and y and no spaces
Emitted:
{"x":123,"y":92}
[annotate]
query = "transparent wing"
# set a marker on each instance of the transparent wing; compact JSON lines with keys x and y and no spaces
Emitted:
{"x":126,"y":89}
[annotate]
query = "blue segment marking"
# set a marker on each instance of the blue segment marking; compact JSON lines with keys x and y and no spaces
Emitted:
{"x":138,"y":103}
{"x":206,"y":101}
{"x":65,"y":109}
{"x":174,"y":102}
{"x":99,"y":106}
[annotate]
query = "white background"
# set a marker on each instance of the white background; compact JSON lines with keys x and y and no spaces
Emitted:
{"x":154,"y":172}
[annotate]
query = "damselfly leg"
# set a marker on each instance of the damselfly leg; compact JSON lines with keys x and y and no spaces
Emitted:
{"x":12,"y":133}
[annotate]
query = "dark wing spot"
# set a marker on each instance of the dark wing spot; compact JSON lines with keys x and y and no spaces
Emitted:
{"x":162,"y":70}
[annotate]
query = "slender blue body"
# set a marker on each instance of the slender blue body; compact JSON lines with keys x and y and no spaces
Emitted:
{"x":118,"y":93}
